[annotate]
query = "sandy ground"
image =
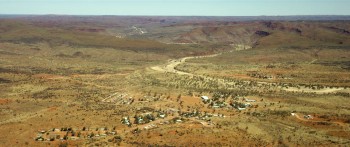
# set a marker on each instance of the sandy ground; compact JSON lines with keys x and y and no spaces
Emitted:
{"x":25,"y":116}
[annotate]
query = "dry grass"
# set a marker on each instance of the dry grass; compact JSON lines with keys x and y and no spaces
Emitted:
{"x":54,"y":81}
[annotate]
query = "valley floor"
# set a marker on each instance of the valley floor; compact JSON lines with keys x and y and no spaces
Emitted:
{"x":150,"y":108}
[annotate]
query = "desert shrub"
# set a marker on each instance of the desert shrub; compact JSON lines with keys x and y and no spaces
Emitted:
{"x":63,"y":144}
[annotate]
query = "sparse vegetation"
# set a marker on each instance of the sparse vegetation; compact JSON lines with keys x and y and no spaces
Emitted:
{"x":76,"y":81}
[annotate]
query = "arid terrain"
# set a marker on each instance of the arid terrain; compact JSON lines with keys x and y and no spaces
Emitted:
{"x":174,"y":81}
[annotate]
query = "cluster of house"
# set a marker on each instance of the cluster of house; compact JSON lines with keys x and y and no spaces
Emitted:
{"x":213,"y":104}
{"x":126,"y":121}
{"x":242,"y":106}
{"x":148,"y":118}
{"x":73,"y":134}
{"x":199,"y":115}
{"x":143,"y":118}
{"x":221,"y":104}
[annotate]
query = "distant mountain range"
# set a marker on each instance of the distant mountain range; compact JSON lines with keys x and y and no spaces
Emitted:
{"x":204,"y":18}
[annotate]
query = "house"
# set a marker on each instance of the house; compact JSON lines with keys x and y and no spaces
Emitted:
{"x":39,"y":139}
{"x":248,"y":105}
{"x":112,"y":133}
{"x":150,"y":126}
{"x":162,"y":115}
{"x":205,"y":98}
{"x":237,"y":98}
{"x":172,"y":110}
{"x":139,"y":120}
{"x":218,"y":104}
{"x":248,"y":100}
{"x":42,"y":131}
{"x":308,"y":117}
{"x":177,"y":120}
{"x":126,"y":121}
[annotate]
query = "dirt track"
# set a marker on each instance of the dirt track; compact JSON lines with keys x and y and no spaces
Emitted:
{"x":318,"y":121}
{"x":171,"y":67}
{"x":318,"y":91}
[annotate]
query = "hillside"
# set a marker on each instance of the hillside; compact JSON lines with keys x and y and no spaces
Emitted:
{"x":174,"y":81}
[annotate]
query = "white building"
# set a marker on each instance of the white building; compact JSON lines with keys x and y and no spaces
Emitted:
{"x":204,"y":98}
{"x":248,"y":100}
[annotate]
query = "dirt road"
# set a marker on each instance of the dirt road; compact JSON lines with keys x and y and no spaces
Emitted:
{"x":318,"y":121}
{"x":318,"y":91}
{"x":171,"y":67}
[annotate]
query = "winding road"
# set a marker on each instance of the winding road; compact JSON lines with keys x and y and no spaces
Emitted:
{"x":171,"y":68}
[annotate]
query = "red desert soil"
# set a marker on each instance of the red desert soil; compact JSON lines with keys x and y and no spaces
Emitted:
{"x":343,"y":134}
{"x":52,"y":109}
{"x":4,"y":101}
{"x":48,"y":76}
{"x":241,"y":76}
{"x":98,"y":76}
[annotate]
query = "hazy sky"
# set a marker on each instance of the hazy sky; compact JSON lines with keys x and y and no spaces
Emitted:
{"x":177,"y":7}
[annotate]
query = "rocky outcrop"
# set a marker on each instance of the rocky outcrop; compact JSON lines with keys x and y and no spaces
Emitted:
{"x":262,"y":33}
{"x":339,"y":30}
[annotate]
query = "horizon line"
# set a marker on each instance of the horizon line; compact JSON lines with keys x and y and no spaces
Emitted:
{"x":176,"y":15}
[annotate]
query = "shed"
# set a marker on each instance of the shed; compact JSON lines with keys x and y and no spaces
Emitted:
{"x":204,"y":98}
{"x":248,"y":100}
